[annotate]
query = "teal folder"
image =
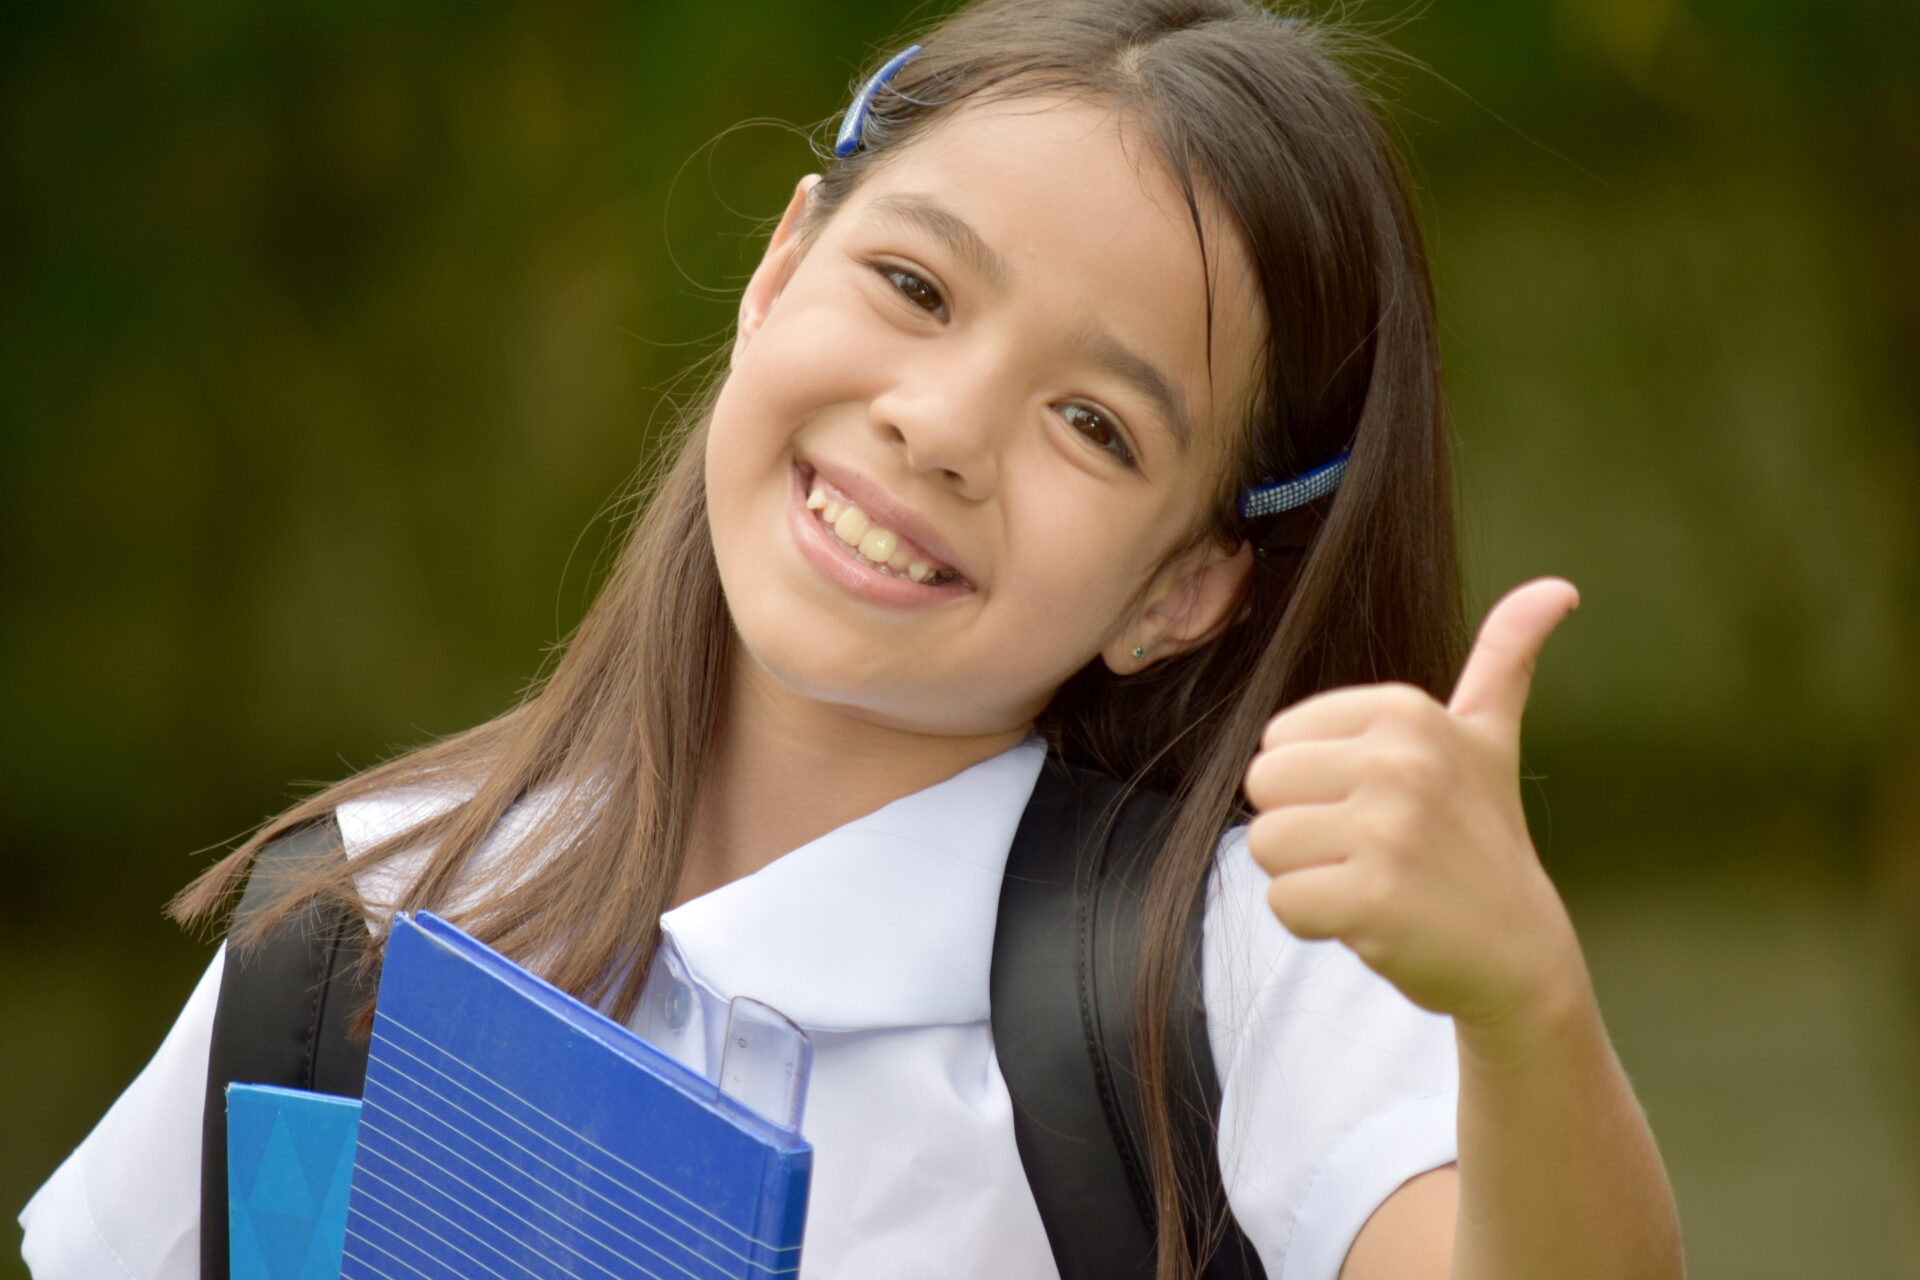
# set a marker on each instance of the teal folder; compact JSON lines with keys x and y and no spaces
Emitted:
{"x":289,"y":1167}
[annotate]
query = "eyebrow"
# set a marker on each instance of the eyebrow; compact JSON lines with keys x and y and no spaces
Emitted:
{"x":953,"y":231}
{"x":1140,"y":373}
{"x":956,"y":234}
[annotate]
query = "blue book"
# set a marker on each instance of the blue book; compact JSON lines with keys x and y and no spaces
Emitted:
{"x":509,"y":1131}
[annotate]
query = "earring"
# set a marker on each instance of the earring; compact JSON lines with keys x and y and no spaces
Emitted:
{"x":1139,"y":651}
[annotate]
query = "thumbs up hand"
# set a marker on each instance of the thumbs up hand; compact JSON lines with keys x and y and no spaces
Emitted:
{"x":1394,"y":824}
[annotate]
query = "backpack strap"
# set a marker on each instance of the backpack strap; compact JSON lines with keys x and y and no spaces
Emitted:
{"x":1065,"y":958}
{"x":284,"y":1015}
{"x":1065,"y":955}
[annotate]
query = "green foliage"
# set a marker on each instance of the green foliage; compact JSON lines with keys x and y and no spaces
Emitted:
{"x":332,"y":331}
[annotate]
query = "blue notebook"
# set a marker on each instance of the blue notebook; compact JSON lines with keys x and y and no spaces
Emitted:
{"x":510,"y":1132}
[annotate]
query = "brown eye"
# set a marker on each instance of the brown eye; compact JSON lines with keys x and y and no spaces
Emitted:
{"x":916,"y":290}
{"x":1096,"y":427}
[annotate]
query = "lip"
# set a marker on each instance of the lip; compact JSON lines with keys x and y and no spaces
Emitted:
{"x":884,"y":511}
{"x":831,"y":557}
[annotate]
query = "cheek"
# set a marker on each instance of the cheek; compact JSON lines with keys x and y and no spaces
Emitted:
{"x":762,"y":390}
{"x":817,"y":335}
{"x":1082,"y":573}
{"x":777,"y":383}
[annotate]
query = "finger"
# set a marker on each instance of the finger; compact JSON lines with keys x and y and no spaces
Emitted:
{"x":1287,"y":840}
{"x":1316,"y":902}
{"x":1499,"y":671}
{"x":1319,"y":772}
{"x":1342,"y":713}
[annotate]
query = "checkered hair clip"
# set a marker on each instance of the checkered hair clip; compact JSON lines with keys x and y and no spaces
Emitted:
{"x":847,"y":141}
{"x":1285,"y":495}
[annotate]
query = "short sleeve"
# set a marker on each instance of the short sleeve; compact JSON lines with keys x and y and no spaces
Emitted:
{"x":127,"y":1201}
{"x":1335,"y":1088}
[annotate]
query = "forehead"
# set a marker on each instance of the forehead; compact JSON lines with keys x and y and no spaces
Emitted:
{"x":1095,"y":236}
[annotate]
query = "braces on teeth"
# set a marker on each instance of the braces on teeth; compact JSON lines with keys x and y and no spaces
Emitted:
{"x":873,"y":546}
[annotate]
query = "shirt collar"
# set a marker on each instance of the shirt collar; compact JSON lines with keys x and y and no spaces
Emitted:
{"x":885,"y":922}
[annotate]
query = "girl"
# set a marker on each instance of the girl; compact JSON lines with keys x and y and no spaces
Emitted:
{"x":990,"y":478}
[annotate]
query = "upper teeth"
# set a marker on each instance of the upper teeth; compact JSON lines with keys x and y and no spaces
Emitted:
{"x":882,"y":548}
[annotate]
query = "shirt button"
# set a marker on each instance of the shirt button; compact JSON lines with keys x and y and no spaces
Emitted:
{"x":679,"y":1005}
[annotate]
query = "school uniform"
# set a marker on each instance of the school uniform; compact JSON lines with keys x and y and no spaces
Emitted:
{"x":877,"y":939}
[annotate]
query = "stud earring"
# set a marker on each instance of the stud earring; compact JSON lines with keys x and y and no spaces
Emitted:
{"x":1139,"y":651}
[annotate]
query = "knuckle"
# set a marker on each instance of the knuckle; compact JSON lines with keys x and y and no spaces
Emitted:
{"x":1405,"y":701}
{"x":1376,"y":892}
{"x":1407,"y":767}
{"x":1274,"y":732}
{"x":1259,"y":781}
{"x":1393,"y":826}
{"x":1280,"y":901}
{"x":1266,"y":840}
{"x":1293,"y":911}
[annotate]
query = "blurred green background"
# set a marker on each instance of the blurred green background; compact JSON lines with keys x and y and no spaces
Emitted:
{"x":329,"y":332}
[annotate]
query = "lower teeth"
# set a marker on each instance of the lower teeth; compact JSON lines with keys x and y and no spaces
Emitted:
{"x":938,"y":577}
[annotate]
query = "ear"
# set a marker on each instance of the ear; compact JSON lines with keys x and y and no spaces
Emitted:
{"x":1188,"y":604}
{"x":776,"y":264}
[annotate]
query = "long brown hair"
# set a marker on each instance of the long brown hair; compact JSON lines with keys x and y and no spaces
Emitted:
{"x":1247,"y":109}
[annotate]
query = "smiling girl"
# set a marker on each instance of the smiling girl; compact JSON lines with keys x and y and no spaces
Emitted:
{"x":1084,"y":415}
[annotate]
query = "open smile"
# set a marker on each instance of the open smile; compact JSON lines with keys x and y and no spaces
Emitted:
{"x":858,"y":552}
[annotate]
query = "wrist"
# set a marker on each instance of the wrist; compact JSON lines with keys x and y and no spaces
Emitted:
{"x":1558,"y":1014}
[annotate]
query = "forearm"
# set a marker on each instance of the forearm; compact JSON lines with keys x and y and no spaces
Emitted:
{"x":1559,"y":1174}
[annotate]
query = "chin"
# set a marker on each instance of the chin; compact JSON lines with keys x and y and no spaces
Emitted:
{"x":906,"y":699}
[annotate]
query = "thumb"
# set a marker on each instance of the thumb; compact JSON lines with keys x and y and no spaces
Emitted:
{"x":1499,"y":670}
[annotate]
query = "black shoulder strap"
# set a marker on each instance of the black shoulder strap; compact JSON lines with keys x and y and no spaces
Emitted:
{"x":1064,"y":962}
{"x":284,"y":1015}
{"x":1065,"y":959}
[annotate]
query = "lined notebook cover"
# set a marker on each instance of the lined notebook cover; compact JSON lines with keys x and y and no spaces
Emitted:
{"x":510,"y":1131}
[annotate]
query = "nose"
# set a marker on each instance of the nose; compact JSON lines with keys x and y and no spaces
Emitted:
{"x":948,"y":417}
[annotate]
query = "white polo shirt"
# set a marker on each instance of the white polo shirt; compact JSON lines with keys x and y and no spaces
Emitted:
{"x":877,"y":938}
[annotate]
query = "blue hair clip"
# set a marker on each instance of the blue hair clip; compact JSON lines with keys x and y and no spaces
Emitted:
{"x":1285,"y":495}
{"x":847,"y":141}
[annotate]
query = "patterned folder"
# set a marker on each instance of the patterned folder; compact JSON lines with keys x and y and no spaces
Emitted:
{"x":510,"y":1132}
{"x":289,"y":1165}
